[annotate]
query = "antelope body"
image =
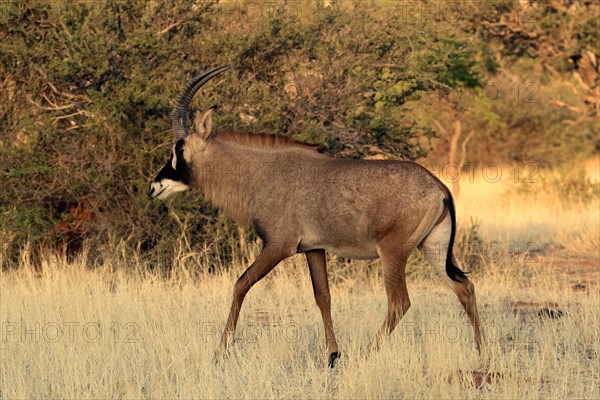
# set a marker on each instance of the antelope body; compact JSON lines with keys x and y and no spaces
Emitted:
{"x":300,"y":201}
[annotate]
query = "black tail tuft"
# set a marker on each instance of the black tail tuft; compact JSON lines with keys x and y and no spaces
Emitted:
{"x":451,"y":268}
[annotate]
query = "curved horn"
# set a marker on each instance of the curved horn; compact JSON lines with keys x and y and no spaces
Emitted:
{"x":184,"y":98}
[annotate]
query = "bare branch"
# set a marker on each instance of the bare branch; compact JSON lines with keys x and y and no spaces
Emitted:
{"x":54,"y":106}
{"x":80,"y":112}
{"x":172,"y":26}
{"x":463,"y":149}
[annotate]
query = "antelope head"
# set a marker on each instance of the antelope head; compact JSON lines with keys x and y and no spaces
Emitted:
{"x":177,"y":175}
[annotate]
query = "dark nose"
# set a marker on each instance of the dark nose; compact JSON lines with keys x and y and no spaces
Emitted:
{"x":151,"y":191}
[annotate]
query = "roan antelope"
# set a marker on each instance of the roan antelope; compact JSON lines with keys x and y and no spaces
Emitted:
{"x":300,"y":201}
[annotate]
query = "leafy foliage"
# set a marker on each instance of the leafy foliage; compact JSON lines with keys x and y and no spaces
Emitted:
{"x":87,"y":89}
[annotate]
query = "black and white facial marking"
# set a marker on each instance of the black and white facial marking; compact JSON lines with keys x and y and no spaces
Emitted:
{"x":174,"y":177}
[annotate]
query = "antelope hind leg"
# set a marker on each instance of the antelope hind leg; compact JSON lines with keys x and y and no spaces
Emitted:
{"x":394,"y":279}
{"x":465,"y":291}
{"x":435,"y":249}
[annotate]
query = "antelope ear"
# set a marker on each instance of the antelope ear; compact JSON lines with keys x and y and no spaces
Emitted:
{"x":203,"y":122}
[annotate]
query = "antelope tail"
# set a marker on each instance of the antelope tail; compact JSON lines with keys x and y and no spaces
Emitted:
{"x":451,"y":268}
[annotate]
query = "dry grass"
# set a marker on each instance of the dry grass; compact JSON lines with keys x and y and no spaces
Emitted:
{"x":117,"y":331}
{"x":525,"y":204}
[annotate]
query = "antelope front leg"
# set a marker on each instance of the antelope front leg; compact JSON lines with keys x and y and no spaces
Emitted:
{"x":317,"y":264}
{"x":264,"y":263}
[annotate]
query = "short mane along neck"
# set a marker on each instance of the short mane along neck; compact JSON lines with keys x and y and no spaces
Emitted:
{"x":262,"y":141}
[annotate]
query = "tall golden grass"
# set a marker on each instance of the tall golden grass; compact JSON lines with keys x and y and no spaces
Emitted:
{"x":121,"y":331}
{"x":521,"y":203}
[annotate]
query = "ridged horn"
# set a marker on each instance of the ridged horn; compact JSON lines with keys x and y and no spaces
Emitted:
{"x":184,"y":98}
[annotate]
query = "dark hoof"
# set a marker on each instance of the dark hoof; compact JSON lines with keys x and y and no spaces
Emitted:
{"x":333,"y":358}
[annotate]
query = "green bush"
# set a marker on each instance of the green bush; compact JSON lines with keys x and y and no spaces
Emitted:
{"x":87,"y":88}
{"x":86,"y":123}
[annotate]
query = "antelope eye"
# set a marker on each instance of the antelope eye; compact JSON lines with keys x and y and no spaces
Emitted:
{"x":179,"y":148}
